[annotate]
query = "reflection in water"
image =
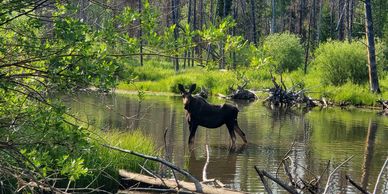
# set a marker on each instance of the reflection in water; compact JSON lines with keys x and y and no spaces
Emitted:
{"x":319,"y":136}
{"x":222,"y":167}
{"x":368,"y":153}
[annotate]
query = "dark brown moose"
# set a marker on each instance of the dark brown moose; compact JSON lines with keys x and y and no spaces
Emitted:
{"x":200,"y":113}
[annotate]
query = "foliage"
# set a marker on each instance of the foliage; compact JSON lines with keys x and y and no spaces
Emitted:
{"x":285,"y":51}
{"x":340,"y":62}
{"x":42,"y":144}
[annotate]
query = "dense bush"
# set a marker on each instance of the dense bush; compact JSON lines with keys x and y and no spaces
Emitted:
{"x":285,"y":50}
{"x":339,"y":62}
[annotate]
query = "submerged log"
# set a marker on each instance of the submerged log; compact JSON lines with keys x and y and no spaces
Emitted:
{"x":162,"y":183}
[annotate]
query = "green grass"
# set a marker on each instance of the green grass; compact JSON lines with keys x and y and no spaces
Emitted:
{"x":104,"y":163}
{"x":162,"y":78}
{"x":134,"y":140}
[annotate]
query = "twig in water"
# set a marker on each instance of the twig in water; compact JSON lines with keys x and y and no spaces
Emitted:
{"x":332,"y":173}
{"x":284,"y":157}
{"x":380,"y":174}
{"x":356,"y":185}
{"x":204,"y":177}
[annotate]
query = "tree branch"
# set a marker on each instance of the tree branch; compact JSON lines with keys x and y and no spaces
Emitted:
{"x":197,"y":184}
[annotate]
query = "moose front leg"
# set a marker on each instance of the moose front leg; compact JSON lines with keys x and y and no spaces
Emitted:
{"x":193,"y":128}
{"x":230,"y":126}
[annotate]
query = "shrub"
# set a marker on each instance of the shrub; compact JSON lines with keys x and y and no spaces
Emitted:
{"x":285,"y":50}
{"x":340,"y":62}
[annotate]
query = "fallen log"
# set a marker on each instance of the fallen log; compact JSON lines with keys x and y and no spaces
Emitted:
{"x":169,"y":184}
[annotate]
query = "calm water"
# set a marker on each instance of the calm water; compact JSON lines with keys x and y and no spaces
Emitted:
{"x":319,"y":135}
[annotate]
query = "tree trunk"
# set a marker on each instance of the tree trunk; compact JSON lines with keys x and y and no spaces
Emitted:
{"x":253,"y":21}
{"x":318,"y":32}
{"x":312,"y":26}
{"x":174,"y":12}
{"x":189,"y":23}
{"x":301,"y":18}
{"x":273,"y":19}
{"x":308,"y":42}
{"x":140,"y":33}
{"x":331,"y":18}
{"x":340,"y":26}
{"x":194,"y":28}
{"x":201,"y":13}
{"x":233,"y":34}
{"x":351,"y":16}
{"x":373,"y":78}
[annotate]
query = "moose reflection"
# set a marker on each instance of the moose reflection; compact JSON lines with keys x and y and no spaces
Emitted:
{"x":200,"y":113}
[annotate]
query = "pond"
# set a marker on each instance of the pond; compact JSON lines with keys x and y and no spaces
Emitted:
{"x":318,"y":135}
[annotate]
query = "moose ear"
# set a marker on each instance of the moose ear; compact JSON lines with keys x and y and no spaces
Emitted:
{"x":192,"y":88}
{"x":181,"y":88}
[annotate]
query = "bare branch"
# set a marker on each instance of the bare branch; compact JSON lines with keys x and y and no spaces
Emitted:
{"x":332,"y":173}
{"x":356,"y":185}
{"x":197,"y":184}
{"x":380,"y":174}
{"x":265,"y":183}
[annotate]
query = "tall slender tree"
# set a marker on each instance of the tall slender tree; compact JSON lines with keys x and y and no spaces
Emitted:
{"x":373,"y":78}
{"x":273,"y":18}
{"x":174,"y":13}
{"x":140,"y":33}
{"x":253,"y":20}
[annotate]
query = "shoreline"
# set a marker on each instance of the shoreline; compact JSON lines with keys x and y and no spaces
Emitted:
{"x":171,"y":94}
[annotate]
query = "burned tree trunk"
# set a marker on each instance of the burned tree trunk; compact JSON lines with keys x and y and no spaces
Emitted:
{"x":373,"y":79}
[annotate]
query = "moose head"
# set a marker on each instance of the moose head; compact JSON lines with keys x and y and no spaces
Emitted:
{"x":186,"y":95}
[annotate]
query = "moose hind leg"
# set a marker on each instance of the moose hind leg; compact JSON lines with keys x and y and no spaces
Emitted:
{"x":230,"y":127}
{"x":240,"y":132}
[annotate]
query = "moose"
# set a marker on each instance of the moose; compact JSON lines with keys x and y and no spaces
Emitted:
{"x":200,"y":113}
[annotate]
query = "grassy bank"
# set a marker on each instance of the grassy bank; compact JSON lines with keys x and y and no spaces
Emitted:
{"x":104,"y":163}
{"x":159,"y":78}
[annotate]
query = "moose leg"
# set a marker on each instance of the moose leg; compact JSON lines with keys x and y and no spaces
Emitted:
{"x":240,"y":132}
{"x":193,"y":129}
{"x":230,"y":127}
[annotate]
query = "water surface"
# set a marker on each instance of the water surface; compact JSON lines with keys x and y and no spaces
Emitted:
{"x":318,"y":136}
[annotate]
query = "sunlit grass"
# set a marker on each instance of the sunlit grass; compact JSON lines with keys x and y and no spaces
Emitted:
{"x":104,"y":163}
{"x":133,"y":140}
{"x":160,"y":77}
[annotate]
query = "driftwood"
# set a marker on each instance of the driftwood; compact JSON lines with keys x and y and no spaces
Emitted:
{"x":241,"y":93}
{"x":204,"y":93}
{"x":276,"y":180}
{"x":170,"y":185}
{"x":263,"y":180}
{"x":280,"y":96}
{"x":384,"y":105}
{"x":198,"y":185}
{"x":295,"y":184}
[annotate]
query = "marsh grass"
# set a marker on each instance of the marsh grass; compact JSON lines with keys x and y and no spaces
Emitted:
{"x":104,"y":163}
{"x":159,"y":78}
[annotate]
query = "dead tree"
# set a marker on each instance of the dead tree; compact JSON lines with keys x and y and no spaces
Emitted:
{"x":279,"y":96}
